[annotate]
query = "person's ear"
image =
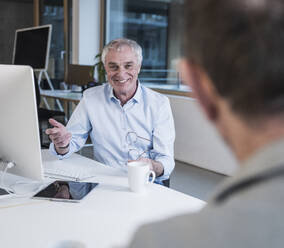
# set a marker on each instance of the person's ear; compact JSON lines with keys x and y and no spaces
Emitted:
{"x":139,"y":68}
{"x":202,"y":88}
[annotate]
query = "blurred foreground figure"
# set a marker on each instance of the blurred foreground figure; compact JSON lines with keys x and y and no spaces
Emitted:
{"x":234,"y":62}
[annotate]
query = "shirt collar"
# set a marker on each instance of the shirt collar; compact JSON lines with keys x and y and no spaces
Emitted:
{"x":137,"y":96}
{"x":110,"y":92}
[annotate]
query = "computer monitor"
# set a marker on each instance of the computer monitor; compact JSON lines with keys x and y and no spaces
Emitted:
{"x":19,"y":131}
{"x":31,"y":47}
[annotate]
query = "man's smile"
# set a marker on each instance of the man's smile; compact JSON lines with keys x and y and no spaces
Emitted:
{"x":121,"y":81}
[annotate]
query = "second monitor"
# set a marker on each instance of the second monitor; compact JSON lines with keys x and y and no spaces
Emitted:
{"x":31,"y":47}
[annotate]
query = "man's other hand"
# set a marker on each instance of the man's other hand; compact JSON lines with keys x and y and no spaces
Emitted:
{"x":156,"y":166}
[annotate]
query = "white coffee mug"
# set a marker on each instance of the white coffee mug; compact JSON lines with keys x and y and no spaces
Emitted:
{"x":138,"y":175}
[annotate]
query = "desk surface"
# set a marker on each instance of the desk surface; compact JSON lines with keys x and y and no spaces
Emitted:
{"x":107,"y":217}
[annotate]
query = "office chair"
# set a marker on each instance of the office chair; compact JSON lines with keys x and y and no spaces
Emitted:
{"x":44,"y":115}
{"x":166,"y":182}
{"x":78,"y":74}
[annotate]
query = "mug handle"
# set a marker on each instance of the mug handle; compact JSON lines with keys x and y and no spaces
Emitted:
{"x":153,"y":176}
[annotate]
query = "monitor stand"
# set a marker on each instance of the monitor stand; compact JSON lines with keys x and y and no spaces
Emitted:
{"x":5,"y":166}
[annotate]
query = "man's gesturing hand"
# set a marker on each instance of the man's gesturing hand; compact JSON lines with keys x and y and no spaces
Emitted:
{"x":59,"y":136}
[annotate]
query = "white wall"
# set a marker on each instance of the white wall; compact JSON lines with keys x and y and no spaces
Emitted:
{"x":85,"y":31}
{"x":197,"y":141}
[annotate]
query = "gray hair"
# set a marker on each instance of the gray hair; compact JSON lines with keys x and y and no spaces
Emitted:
{"x":118,"y":43}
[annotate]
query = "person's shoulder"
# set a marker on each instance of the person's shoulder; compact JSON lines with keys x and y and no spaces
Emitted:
{"x":154,"y":95}
{"x":172,"y":232}
{"x":224,"y":224}
{"x":97,"y":90}
{"x":219,"y":224}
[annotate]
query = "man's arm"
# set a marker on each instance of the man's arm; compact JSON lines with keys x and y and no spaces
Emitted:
{"x":69,"y":139}
{"x":162,"y":154}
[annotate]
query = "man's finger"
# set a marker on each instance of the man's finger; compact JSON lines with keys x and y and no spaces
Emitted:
{"x":61,"y":144}
{"x":55,"y":135}
{"x":55,"y":123}
{"x":59,"y":139}
{"x":52,"y":131}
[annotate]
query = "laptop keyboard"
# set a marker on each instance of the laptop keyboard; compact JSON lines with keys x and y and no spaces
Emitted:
{"x":69,"y":173}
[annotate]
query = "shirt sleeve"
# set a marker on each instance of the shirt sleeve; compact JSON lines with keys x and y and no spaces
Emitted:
{"x":163,"y":139}
{"x":79,"y":126}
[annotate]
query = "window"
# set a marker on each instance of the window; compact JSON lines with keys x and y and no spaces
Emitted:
{"x":154,"y":25}
{"x":57,"y":13}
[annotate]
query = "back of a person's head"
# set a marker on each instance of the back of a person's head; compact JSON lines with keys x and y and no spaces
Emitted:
{"x":240,"y":45}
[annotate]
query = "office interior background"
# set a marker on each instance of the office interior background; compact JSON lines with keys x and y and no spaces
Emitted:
{"x":82,"y":27}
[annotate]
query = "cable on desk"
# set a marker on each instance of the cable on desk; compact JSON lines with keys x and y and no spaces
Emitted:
{"x":10,"y":189}
{"x":9,"y":165}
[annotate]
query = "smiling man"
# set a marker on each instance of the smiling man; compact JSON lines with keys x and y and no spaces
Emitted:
{"x":125,"y":120}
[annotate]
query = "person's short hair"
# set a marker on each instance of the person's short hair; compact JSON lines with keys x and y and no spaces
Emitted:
{"x":240,"y":45}
{"x":118,"y":43}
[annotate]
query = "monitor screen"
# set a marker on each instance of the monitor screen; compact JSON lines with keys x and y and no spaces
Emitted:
{"x":31,"y":47}
{"x":19,"y":131}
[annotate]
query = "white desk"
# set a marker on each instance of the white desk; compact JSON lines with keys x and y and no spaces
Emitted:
{"x":107,"y":217}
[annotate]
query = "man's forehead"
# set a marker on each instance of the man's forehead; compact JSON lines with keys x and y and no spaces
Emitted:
{"x":124,"y":56}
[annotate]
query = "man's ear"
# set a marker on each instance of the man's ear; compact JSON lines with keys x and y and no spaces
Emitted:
{"x":139,"y":69}
{"x":202,"y":88}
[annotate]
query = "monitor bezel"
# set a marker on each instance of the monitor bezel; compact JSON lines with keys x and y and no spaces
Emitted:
{"x":49,"y":26}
